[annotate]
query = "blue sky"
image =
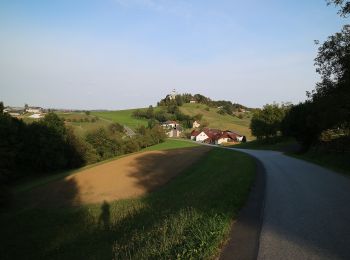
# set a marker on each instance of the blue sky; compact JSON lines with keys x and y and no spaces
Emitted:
{"x":117,"y":54}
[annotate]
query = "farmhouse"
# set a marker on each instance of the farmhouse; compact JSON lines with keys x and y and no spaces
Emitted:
{"x":36,"y":110}
{"x":215,"y":136}
{"x":170,"y":124}
{"x":173,"y":128}
{"x":194,"y":134}
{"x":193,"y":101}
{"x":14,"y":111}
{"x":36,"y":116}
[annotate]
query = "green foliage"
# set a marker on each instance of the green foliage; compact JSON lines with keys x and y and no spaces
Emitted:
{"x":116,"y":128}
{"x":1,"y":107}
{"x":105,"y":146}
{"x":344,"y":6}
{"x":39,"y":147}
{"x":328,"y":106}
{"x":266,"y":123}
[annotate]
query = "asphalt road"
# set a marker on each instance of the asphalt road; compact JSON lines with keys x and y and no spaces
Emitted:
{"x":306,"y":211}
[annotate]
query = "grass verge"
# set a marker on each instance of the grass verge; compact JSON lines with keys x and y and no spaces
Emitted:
{"x":189,"y":217}
{"x":274,"y":145}
{"x":338,"y":162}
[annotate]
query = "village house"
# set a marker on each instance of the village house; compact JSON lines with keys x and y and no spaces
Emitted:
{"x":35,"y":110}
{"x":215,"y":136}
{"x":14,"y":111}
{"x":196,"y":124}
{"x":170,"y":124}
{"x":192,"y":101}
{"x":173,"y":128}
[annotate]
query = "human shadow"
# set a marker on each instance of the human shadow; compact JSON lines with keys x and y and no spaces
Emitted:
{"x":104,"y":218}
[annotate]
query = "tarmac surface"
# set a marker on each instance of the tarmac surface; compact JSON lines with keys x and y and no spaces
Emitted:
{"x":305,"y":211}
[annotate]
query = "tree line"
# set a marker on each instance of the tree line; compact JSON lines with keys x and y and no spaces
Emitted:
{"x":325,"y":115}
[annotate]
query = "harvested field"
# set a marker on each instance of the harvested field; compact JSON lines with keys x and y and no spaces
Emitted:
{"x":126,"y":177}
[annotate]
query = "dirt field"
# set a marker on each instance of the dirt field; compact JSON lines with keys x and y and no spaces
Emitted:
{"x":126,"y":177}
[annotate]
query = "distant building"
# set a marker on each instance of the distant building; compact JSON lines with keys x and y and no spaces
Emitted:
{"x":196,"y":124}
{"x":174,"y":133}
{"x":34,"y":110}
{"x":193,"y":101}
{"x":14,"y":111}
{"x":170,"y":124}
{"x":173,"y":95}
{"x":36,"y":116}
{"x":173,"y":128}
{"x":215,"y":136}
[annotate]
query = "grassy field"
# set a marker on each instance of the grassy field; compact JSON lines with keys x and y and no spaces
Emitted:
{"x":123,"y":117}
{"x":189,"y":217}
{"x":82,"y":128}
{"x":223,"y":122}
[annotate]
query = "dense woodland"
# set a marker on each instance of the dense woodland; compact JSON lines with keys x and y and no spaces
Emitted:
{"x":48,"y":146}
{"x":323,"y":120}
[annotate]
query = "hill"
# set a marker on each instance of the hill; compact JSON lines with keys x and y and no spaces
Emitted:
{"x":216,"y":120}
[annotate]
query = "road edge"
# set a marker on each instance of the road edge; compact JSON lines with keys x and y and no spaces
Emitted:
{"x":245,"y":232}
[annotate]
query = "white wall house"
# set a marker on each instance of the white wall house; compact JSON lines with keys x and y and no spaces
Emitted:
{"x":193,"y":101}
{"x":170,"y":124}
{"x":196,"y":124}
{"x":36,"y":116}
{"x":174,"y":133}
{"x":201,"y":137}
{"x":34,"y":110}
{"x":222,"y":140}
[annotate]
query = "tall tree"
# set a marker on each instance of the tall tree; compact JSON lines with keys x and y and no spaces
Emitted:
{"x":344,"y":6}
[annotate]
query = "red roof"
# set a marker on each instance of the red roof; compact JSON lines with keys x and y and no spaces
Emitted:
{"x":195,"y":133}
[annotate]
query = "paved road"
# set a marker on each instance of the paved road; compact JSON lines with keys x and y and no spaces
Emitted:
{"x":307,"y":210}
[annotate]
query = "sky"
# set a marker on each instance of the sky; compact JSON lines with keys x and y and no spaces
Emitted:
{"x":120,"y":54}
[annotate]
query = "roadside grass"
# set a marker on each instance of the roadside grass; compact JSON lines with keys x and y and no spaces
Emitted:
{"x":171,"y":144}
{"x":223,"y":122}
{"x":123,"y":117}
{"x":28,"y":184}
{"x":189,"y":218}
{"x":335,"y":161}
{"x":277,"y":144}
{"x":339,"y":162}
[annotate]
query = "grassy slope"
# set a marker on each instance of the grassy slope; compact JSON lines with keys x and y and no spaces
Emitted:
{"x":216,"y":120}
{"x":188,"y":218}
{"x":123,"y":117}
{"x":335,"y":161}
{"x":82,"y":128}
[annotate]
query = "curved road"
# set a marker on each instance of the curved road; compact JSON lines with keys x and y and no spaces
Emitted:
{"x":306,"y":212}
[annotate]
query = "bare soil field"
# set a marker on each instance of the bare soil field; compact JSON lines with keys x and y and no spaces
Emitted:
{"x":127,"y":177}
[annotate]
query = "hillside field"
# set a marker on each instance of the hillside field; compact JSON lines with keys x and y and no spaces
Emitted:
{"x":216,"y":120}
{"x":170,"y":223}
{"x":123,"y":117}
